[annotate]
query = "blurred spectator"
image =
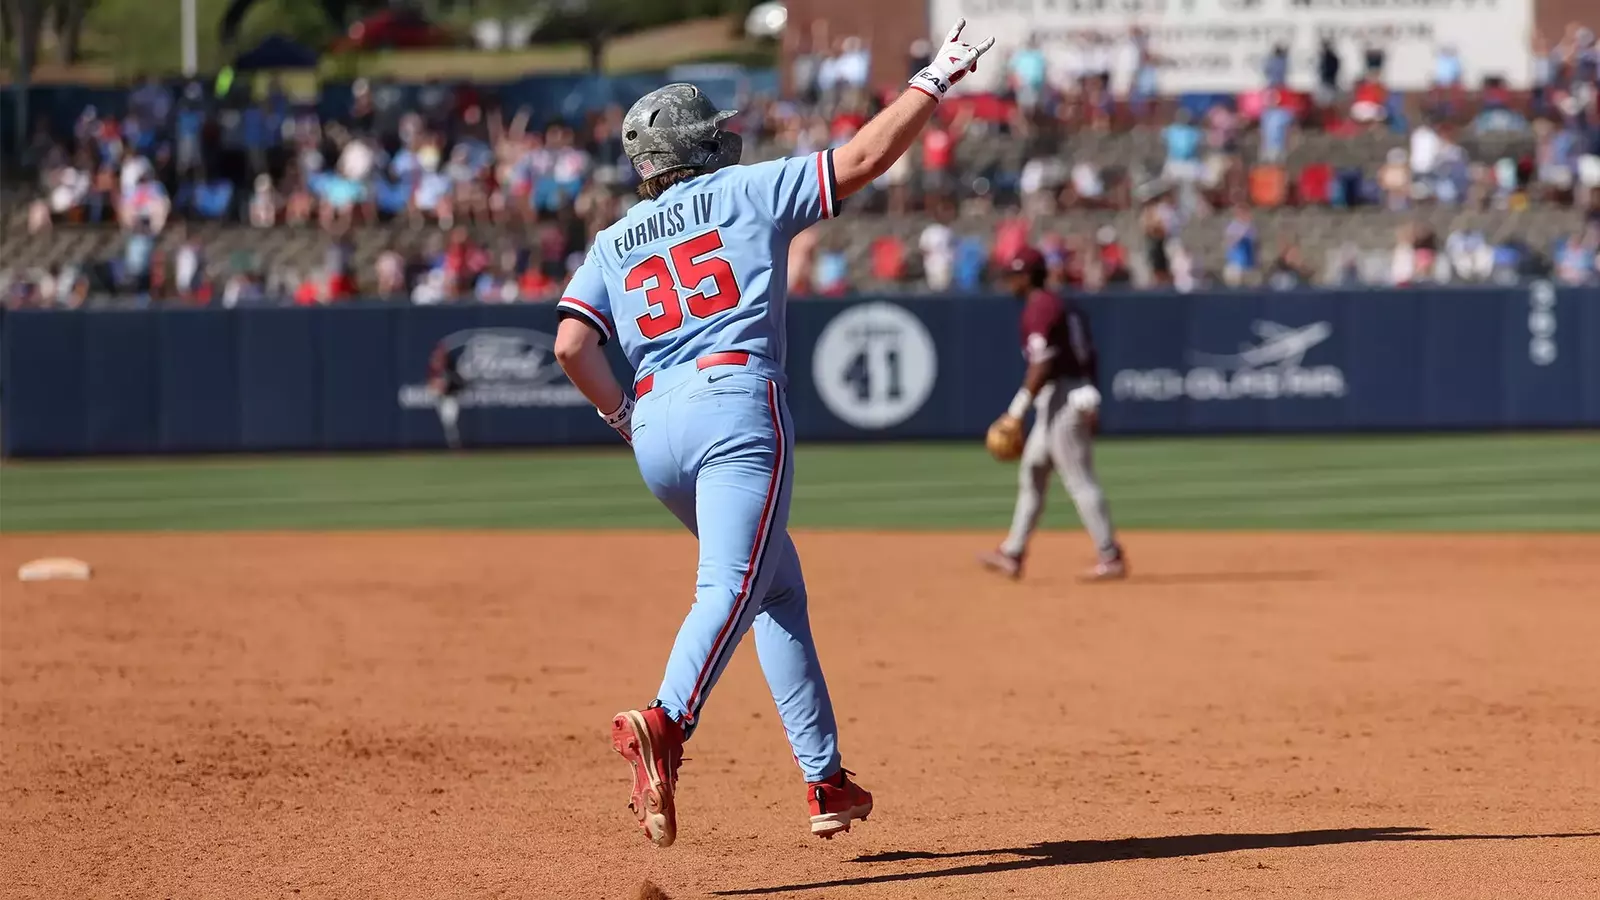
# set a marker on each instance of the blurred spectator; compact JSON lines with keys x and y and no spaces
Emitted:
{"x":1182,"y":140}
{"x":189,"y":271}
{"x":970,"y":267}
{"x":1555,"y":155}
{"x":1040,"y":182}
{"x":145,"y":205}
{"x":1394,"y":180}
{"x":1156,"y":224}
{"x":937,"y":244}
{"x":1277,"y":122}
{"x":1468,"y":256}
{"x":1027,"y":76}
{"x":896,"y":184}
{"x":1242,"y":242}
{"x":847,"y":69}
{"x":1448,"y":91}
{"x":1288,"y":270}
{"x":265,"y":204}
{"x":1087,"y":187}
{"x":1373,"y":57}
{"x":1447,"y":72}
{"x":67,"y":190}
{"x":1344,"y":266}
{"x":1546,"y":70}
{"x":888,"y":259}
{"x":1426,"y":146}
{"x":919,"y":56}
{"x":1186,"y":274}
{"x":1415,"y":256}
{"x":939,"y":152}
{"x":1575,"y":261}
{"x":390,"y":280}
{"x":1328,"y":66}
{"x":1010,"y":237}
{"x":832,"y":276}
{"x":1495,"y":118}
{"x":1146,"y":67}
{"x":1276,"y":67}
{"x":1112,"y":259}
{"x":1403,"y":261}
{"x":1511,"y":261}
{"x":1370,"y":102}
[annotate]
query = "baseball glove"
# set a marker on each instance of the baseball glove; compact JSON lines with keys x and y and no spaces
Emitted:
{"x":1005,"y":438}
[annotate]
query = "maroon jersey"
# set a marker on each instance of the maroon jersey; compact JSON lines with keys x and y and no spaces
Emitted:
{"x":1055,"y":331}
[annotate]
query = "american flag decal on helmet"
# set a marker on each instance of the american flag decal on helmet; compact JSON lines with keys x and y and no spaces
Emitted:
{"x":646,"y":168}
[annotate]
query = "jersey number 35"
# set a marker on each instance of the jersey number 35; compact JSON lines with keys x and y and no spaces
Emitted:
{"x":693,"y":262}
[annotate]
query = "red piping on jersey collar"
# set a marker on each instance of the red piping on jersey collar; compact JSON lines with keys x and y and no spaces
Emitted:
{"x":725,"y":358}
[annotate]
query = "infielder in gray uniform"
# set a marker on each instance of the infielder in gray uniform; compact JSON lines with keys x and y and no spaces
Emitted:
{"x":1060,"y":388}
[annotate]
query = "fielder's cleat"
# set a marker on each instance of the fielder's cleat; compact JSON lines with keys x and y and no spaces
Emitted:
{"x":1109,"y":568}
{"x":835,"y":803}
{"x":653,"y":745}
{"x":1002,"y":563}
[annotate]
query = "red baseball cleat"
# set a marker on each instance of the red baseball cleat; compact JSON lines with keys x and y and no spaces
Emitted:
{"x":653,"y":744}
{"x":1001,"y":562}
{"x":835,"y":803}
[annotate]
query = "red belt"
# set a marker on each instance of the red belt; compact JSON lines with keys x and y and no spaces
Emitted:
{"x":725,"y":358}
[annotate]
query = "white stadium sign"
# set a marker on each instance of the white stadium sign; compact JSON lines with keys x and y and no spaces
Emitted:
{"x":1219,"y":45}
{"x":875,"y":365}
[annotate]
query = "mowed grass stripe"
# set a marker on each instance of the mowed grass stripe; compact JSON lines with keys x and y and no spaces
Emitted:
{"x":1493,"y":482}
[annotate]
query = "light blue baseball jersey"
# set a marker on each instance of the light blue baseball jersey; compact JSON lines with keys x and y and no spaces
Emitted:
{"x":704,"y":267}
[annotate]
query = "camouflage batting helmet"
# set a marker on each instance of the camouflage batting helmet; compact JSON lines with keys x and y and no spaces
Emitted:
{"x":678,"y":127}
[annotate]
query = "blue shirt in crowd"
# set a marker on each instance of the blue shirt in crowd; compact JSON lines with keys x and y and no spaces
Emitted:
{"x":1183,"y":142}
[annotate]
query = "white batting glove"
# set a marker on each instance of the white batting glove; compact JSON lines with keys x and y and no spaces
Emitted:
{"x":621,"y":419}
{"x":951,"y":64}
{"x":1084,"y":399}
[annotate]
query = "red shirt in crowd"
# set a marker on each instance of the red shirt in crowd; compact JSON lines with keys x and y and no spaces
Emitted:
{"x":341,"y":287}
{"x":1009,"y":238}
{"x":938,"y":148}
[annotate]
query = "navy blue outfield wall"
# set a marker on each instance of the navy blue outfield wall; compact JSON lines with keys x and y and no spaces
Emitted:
{"x":355,"y":378}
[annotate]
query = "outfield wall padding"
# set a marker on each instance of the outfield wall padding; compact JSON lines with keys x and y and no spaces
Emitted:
{"x":355,"y":377}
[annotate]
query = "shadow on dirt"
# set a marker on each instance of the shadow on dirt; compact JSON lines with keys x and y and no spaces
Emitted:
{"x":1070,"y":853}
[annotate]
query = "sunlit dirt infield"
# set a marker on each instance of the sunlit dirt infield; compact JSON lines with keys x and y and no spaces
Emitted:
{"x":426,"y":715}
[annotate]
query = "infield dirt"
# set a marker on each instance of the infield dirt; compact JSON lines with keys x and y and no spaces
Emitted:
{"x":426,"y":715}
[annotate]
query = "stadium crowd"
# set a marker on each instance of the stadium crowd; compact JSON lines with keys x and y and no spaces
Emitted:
{"x":473,"y":201}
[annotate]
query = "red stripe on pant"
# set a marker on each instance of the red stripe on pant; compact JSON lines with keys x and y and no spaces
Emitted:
{"x":769,"y":511}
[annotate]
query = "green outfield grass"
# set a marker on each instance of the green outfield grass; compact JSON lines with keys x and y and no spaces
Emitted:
{"x":1440,"y":483}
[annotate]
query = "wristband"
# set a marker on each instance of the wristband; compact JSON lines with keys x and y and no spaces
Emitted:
{"x":620,"y":414}
{"x":1019,"y":404}
{"x":931,"y":82}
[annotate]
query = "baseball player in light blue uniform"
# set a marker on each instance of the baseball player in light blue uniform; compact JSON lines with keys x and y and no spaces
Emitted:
{"x":691,"y":283}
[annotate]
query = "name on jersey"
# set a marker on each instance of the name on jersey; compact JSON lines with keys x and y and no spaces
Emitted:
{"x":669,"y":221}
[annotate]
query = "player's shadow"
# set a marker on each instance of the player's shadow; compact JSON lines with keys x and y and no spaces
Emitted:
{"x":1264,"y":577}
{"x":1072,"y":853}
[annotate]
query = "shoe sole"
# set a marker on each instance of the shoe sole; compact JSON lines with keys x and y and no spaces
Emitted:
{"x":1117,"y":574}
{"x":651,"y":798}
{"x":1008,"y":570}
{"x":827,"y":825}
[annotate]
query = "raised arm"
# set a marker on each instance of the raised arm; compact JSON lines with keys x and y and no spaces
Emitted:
{"x":888,"y":136}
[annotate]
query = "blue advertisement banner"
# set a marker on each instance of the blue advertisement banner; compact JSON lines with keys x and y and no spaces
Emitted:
{"x":358,"y":377}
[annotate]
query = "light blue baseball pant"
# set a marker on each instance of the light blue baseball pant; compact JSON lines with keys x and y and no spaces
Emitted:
{"x":716,"y":447}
